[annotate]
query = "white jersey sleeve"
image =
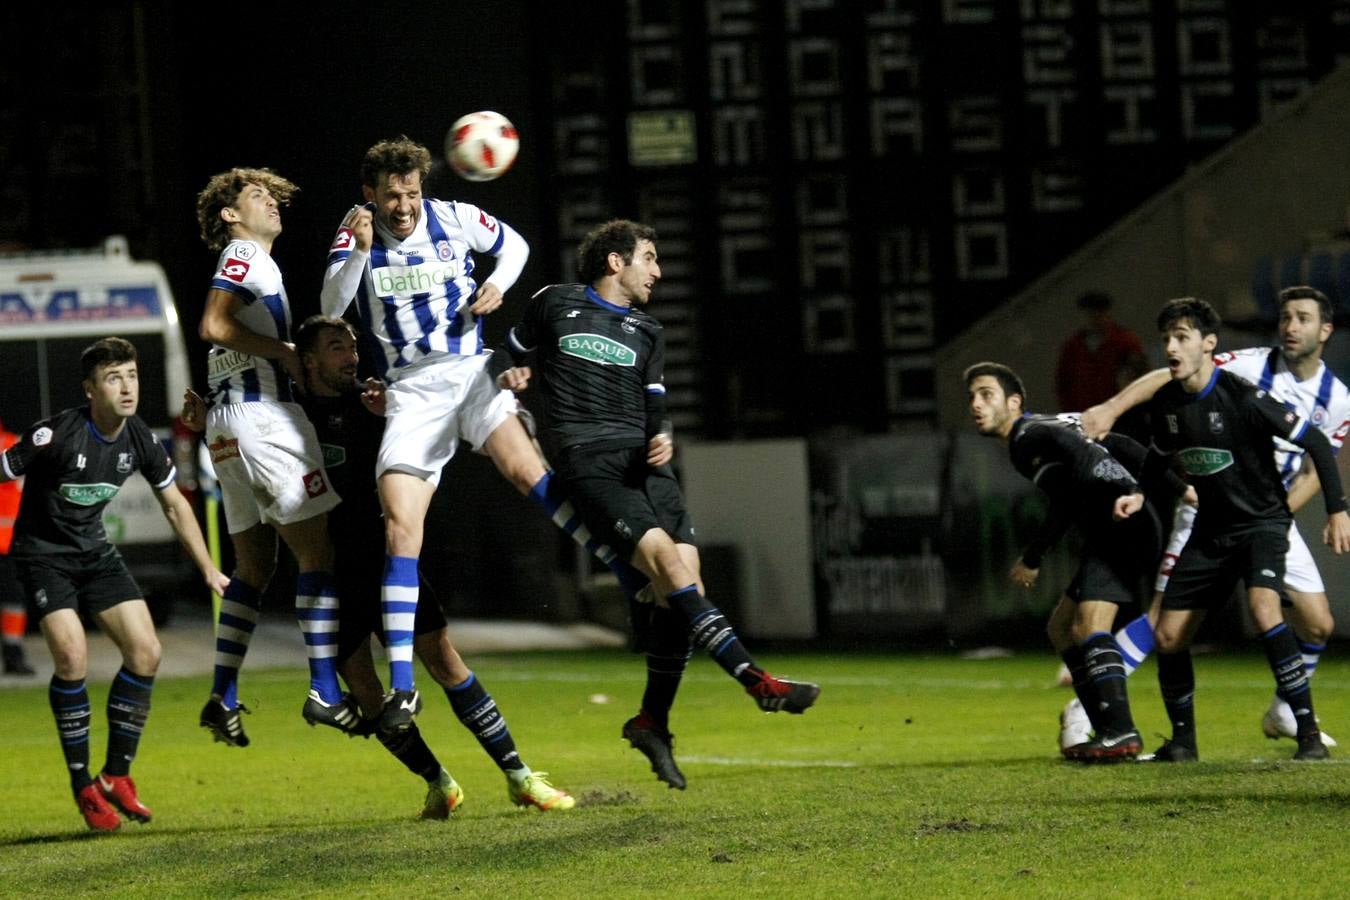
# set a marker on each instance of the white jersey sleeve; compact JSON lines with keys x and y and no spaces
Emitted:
{"x":248,"y":272}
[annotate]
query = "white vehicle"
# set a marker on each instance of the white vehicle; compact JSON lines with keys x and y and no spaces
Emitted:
{"x":53,"y":304}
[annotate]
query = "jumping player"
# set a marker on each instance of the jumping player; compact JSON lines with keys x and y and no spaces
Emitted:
{"x":1221,"y":432}
{"x":1294,"y":374}
{"x":600,"y":358}
{"x":408,"y":262}
{"x":1082,"y":481}
{"x":74,"y":463}
{"x":264,"y":450}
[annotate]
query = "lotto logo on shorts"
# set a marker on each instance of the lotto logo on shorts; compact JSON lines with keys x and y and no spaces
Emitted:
{"x":315,"y":485}
{"x":235,"y":269}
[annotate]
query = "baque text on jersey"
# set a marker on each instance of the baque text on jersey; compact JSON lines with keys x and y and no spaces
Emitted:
{"x":1205,"y":460}
{"x":597,"y":348}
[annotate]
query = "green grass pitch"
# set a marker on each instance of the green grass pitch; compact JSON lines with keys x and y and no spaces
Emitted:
{"x":914,"y":776}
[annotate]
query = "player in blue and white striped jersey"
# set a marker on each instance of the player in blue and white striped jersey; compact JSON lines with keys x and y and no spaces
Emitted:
{"x":265,"y":451}
{"x":1293,"y":373}
{"x":407,"y":263}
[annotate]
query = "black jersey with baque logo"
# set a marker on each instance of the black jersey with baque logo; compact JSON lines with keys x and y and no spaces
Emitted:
{"x":71,"y":472}
{"x":600,"y":365}
{"x":1221,"y":438}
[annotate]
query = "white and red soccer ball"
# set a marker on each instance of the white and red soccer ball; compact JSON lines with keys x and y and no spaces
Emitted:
{"x":482,"y":145}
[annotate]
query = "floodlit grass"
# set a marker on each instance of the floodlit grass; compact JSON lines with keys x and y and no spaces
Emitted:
{"x":915,"y":776}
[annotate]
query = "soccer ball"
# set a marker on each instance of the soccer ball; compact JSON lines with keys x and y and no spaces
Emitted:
{"x":482,"y":145}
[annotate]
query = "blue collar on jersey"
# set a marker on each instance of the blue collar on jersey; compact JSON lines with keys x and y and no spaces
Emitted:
{"x":1213,"y":380}
{"x":595,"y":298}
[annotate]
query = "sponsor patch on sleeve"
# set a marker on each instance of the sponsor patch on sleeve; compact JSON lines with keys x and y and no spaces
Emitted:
{"x":235,"y":269}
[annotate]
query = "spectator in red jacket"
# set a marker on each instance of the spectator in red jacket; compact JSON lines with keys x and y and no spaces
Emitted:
{"x":1093,"y":359}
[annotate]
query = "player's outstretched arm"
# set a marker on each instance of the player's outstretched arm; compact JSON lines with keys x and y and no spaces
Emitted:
{"x":1097,"y":420}
{"x":347,"y":259}
{"x":184,"y":522}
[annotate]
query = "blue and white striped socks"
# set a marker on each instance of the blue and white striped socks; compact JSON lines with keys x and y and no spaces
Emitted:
{"x":316,"y":609}
{"x":398,"y":607}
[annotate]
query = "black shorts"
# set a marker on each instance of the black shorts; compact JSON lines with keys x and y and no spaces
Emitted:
{"x":93,"y":581}
{"x":620,"y":497}
{"x":1210,"y":566}
{"x":359,"y":576}
{"x":1103,"y":578}
{"x":1118,"y":565}
{"x":11,"y":592}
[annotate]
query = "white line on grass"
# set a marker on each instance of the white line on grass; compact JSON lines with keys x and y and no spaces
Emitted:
{"x":779,"y":763}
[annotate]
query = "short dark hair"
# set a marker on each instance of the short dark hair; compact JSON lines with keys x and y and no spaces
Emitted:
{"x":1006,"y":378}
{"x":615,"y":236}
{"x":108,"y":351}
{"x":1325,"y":312}
{"x":401,"y":156}
{"x":1094,"y":301}
{"x":310,"y":332}
{"x":1198,"y":312}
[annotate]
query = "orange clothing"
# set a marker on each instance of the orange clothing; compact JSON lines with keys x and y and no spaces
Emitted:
{"x":9,"y":496}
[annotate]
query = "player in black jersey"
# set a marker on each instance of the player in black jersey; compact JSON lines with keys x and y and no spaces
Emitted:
{"x":74,"y":463}
{"x":1219,"y":429}
{"x":600,"y":359}
{"x":1082,"y":481}
{"x":348,"y":419}
{"x":349,"y":422}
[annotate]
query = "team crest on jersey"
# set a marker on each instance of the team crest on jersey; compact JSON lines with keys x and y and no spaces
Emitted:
{"x":235,"y":269}
{"x":42,"y":437}
{"x":315,"y":484}
{"x":124,"y":462}
{"x":1319,"y":416}
{"x":629,"y":324}
{"x":444,"y":251}
{"x":1215,"y":423}
{"x":1171,"y":424}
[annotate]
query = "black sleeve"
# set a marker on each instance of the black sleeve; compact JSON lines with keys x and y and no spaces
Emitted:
{"x":1133,"y":455}
{"x":520,"y":340}
{"x":1324,"y":458}
{"x":1052,"y":529}
{"x":1283,"y":422}
{"x":654,"y":387}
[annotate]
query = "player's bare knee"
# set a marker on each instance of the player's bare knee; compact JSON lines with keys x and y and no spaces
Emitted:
{"x":143,"y":656}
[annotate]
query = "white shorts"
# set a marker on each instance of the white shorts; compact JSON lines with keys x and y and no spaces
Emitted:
{"x":428,"y":410}
{"x":1300,"y":571}
{"x":269,"y":463}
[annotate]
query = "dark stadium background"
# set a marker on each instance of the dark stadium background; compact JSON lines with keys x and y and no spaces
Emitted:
{"x":112,"y":118}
